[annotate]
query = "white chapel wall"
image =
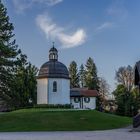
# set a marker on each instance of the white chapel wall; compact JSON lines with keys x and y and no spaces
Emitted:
{"x":42,"y":91}
{"x":62,"y":95}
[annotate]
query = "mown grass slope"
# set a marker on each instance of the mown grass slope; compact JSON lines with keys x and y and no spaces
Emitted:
{"x":44,"y":120}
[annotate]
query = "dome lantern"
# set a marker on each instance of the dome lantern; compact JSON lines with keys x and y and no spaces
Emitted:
{"x":53,"y":54}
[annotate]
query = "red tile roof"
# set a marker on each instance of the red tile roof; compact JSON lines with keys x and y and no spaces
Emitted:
{"x":84,"y":92}
{"x":89,"y":93}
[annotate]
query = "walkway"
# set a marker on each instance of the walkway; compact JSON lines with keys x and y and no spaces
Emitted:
{"x":116,"y":134}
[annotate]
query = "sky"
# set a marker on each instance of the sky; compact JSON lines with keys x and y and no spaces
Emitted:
{"x":106,"y":30}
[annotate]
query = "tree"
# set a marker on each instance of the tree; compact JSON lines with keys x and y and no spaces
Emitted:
{"x":135,"y":106}
{"x":8,"y":53}
{"x":120,"y":97}
{"x":125,"y":76}
{"x":124,"y":93}
{"x":91,"y":78}
{"x":82,"y":76}
{"x":74,"y":75}
{"x":128,"y":102}
{"x":25,"y":83}
{"x":103,"y":87}
{"x":126,"y":96}
{"x":103,"y":91}
{"x":17,"y":76}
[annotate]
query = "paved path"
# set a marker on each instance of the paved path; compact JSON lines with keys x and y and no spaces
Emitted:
{"x":116,"y":134}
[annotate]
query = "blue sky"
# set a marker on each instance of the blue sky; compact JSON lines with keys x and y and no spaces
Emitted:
{"x":106,"y":30}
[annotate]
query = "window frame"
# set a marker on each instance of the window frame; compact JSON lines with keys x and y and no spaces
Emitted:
{"x":85,"y":99}
{"x":54,"y":86}
{"x":76,"y":99}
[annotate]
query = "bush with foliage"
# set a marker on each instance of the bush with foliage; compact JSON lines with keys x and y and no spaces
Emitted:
{"x":65,"y":106}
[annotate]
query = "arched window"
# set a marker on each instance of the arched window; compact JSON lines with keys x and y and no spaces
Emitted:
{"x":54,"y":86}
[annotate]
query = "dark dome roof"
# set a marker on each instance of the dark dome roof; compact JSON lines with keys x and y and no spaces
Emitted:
{"x":53,"y":49}
{"x":53,"y":69}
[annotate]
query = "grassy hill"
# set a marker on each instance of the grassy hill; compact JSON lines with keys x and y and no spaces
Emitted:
{"x":44,"y":120}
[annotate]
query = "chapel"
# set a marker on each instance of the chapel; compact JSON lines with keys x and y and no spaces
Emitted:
{"x":53,"y":86}
{"x":53,"y":82}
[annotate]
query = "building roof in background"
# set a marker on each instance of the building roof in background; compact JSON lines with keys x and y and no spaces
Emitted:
{"x":83,"y":92}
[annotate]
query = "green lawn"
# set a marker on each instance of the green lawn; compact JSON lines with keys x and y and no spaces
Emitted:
{"x":44,"y":120}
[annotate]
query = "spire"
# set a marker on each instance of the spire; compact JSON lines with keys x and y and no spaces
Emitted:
{"x":53,"y":44}
{"x":53,"y":53}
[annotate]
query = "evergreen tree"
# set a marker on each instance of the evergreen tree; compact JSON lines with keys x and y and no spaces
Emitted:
{"x":91,"y":78}
{"x":82,"y":76}
{"x":120,"y":98}
{"x":17,"y":76}
{"x":25,"y":83}
{"x":8,"y":53}
{"x":125,"y":101}
{"x":73,"y":71}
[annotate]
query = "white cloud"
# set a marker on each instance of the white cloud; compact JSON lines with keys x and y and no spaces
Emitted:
{"x":47,"y":2}
{"x":105,"y":25}
{"x":73,"y":40}
{"x":51,"y":2}
{"x":117,"y":10}
{"x":55,"y":32}
{"x":22,"y":5}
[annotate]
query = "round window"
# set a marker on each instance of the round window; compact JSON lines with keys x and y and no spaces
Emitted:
{"x":76,"y":99}
{"x":87,"y":99}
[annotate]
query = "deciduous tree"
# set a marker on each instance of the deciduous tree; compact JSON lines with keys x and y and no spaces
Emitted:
{"x":103,"y":91}
{"x":125,"y":76}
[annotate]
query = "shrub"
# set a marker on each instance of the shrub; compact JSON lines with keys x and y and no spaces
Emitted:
{"x":65,"y":106}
